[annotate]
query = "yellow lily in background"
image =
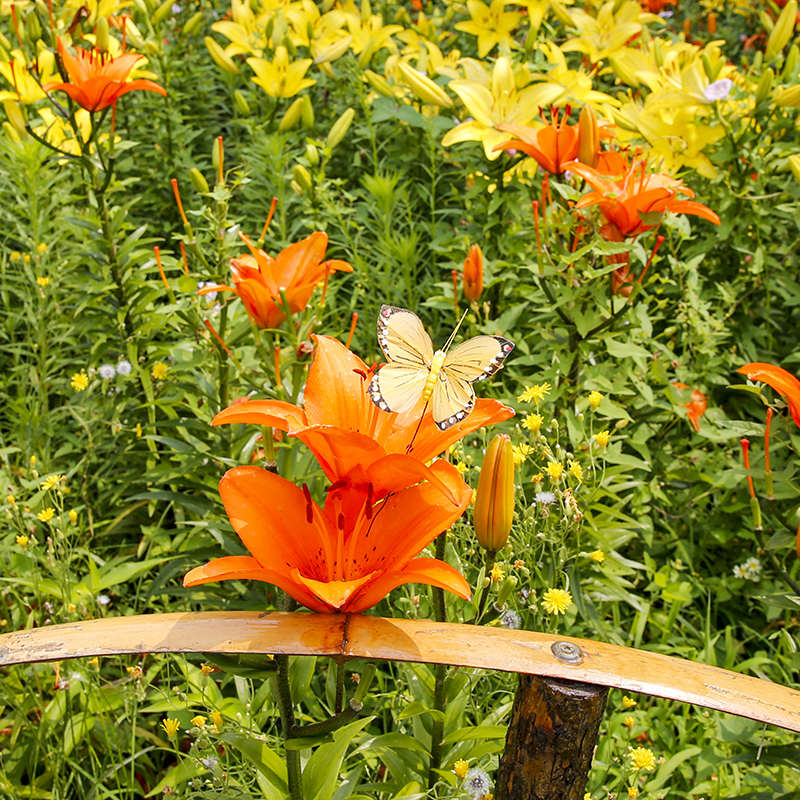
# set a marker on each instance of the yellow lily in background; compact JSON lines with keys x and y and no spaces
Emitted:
{"x":368,"y":31}
{"x":491,"y":24}
{"x":25,"y":89}
{"x":569,"y":85}
{"x":323,"y":34}
{"x":58,"y":131}
{"x":246,"y":32}
{"x":280,"y":77}
{"x":498,"y":103}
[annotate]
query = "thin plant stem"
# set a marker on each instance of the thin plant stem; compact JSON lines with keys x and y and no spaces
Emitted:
{"x":439,"y":673}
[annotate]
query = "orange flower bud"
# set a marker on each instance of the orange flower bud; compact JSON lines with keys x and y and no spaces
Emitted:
{"x":473,"y":274}
{"x":711,"y":23}
{"x":494,"y":499}
{"x":588,"y":137}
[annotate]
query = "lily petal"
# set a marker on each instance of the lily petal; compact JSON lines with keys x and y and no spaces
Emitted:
{"x":780,"y":380}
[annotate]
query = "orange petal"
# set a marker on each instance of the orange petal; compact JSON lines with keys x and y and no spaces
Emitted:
{"x":421,"y":570}
{"x":399,"y":471}
{"x":296,"y":263}
{"x":272,"y":413}
{"x":246,"y":568}
{"x":334,"y":594}
{"x":340,"y":451}
{"x":696,"y":209}
{"x":780,"y":380}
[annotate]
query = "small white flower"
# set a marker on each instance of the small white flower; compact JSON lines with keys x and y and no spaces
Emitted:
{"x":739,"y":571}
{"x":718,"y":90}
{"x":103,"y":599}
{"x":510,"y":620}
{"x":124,"y":368}
{"x":752,"y":564}
{"x":107,"y":372}
{"x":210,"y":763}
{"x":477,"y":783}
{"x":544,"y":498}
{"x":212,"y":296}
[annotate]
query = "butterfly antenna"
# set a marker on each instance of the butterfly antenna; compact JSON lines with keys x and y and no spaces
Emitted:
{"x":455,"y":331}
{"x":410,"y":445}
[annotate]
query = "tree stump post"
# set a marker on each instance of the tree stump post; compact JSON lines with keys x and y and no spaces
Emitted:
{"x":551,"y":739}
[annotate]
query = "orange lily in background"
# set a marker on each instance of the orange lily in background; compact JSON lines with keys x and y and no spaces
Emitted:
{"x":473,"y":274}
{"x":343,"y":427}
{"x":346,"y":556}
{"x":624,"y":198}
{"x":259,"y":278}
{"x":96,"y":80}
{"x":780,"y":380}
{"x":696,"y":407}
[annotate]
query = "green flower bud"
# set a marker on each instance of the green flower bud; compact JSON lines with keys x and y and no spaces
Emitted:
{"x":302,"y":177}
{"x":198,"y":181}
{"x":220,"y":57}
{"x":765,"y":85}
{"x":163,"y":11}
{"x":192,"y":24}
{"x":101,"y":34}
{"x":312,"y":154}
{"x":308,"y":113}
{"x":339,"y":128}
{"x":292,"y":116}
{"x":242,"y":106}
{"x":783,"y":30}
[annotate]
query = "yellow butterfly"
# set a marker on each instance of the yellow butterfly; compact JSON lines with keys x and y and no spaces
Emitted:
{"x":415,"y":372}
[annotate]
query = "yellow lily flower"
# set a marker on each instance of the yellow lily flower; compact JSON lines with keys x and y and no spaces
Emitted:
{"x":25,"y":88}
{"x":495,"y":104}
{"x":491,"y":24}
{"x":646,"y":63}
{"x":279,"y":77}
{"x":609,"y":32}
{"x":368,"y":31}
{"x":246,"y":32}
{"x":569,"y":85}
{"x":58,"y":131}
{"x":323,"y":34}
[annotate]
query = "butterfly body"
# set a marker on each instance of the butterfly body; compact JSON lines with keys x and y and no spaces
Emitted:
{"x":415,"y":372}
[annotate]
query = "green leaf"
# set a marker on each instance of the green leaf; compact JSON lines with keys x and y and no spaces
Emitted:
{"x":126,"y":572}
{"x":321,"y":774}
{"x":626,"y":350}
{"x":262,"y":757}
{"x":186,"y":770}
{"x":477,"y":732}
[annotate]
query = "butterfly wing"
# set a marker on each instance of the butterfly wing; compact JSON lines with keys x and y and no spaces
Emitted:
{"x":398,"y":385}
{"x":403,"y":338}
{"x":474,"y":360}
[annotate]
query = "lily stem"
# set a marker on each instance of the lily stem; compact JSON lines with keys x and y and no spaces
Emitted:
{"x":283,"y":696}
{"x":439,"y":674}
{"x":339,"y":702}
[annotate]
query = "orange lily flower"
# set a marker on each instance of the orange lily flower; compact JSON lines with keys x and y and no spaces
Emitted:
{"x":259,"y":278}
{"x":624,"y":198}
{"x":696,"y":407}
{"x":96,"y":80}
{"x":780,"y":380}
{"x":553,"y":146}
{"x":346,"y":431}
{"x":346,"y":556}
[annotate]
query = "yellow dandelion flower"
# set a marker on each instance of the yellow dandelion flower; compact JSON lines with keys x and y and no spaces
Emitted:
{"x":71,"y":607}
{"x":461,"y":467}
{"x":42,"y":248}
{"x":533,"y":422}
{"x":556,"y":601}
{"x":160,"y":370}
{"x":642,"y":758}
{"x":15,"y":256}
{"x":602,"y":438}
{"x":587,"y":796}
{"x":206,"y":669}
{"x":535,"y":393}
{"x":216,"y":718}
{"x":597,"y":555}
{"x":22,"y":541}
{"x":595,"y":398}
{"x":33,"y":461}
{"x":135,"y":672}
{"x":521,"y":453}
{"x":537,"y":478}
{"x":50,"y":482}
{"x":633,"y":792}
{"x":73,"y":516}
{"x":628,"y":702}
{"x":138,"y":430}
{"x":199,"y":721}
{"x":461,"y":768}
{"x":555,"y":469}
{"x":94,"y":662}
{"x":519,"y":564}
{"x":11,"y":499}
{"x":43,"y":281}
{"x":26,"y":258}
{"x":46,"y":515}
{"x":576,"y":470}
{"x":629,"y":722}
{"x":170,"y":726}
{"x":497,"y":574}
{"x":80,"y":381}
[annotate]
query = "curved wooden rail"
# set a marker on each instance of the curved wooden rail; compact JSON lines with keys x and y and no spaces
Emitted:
{"x":359,"y":636}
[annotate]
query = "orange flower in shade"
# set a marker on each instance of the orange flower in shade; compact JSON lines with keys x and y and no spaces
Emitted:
{"x":345,"y":556}
{"x":346,"y":431}
{"x":624,"y":198}
{"x":473,"y":274}
{"x":696,"y":407}
{"x":552,"y":146}
{"x":96,"y":80}
{"x":780,"y":380}
{"x":259,"y":278}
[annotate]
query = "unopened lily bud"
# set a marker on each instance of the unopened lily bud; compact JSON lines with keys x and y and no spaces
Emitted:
{"x":302,"y":177}
{"x":755,"y":510}
{"x":561,"y":14}
{"x":473,"y":274}
{"x":588,"y":137}
{"x":366,"y":54}
{"x":101,"y":35}
{"x":220,"y":57}
{"x":708,"y":67}
{"x":794,"y":165}
{"x":32,"y":26}
{"x":292,"y":116}
{"x":758,"y":60}
{"x":198,"y":181}
{"x":4,"y":42}
{"x":336,"y":50}
{"x":308,"y":113}
{"x":378,"y":83}
{"x":658,"y":52}
{"x":494,"y":498}
{"x":162,"y":12}
{"x":279,"y":30}
{"x":423,"y":87}
{"x":509,"y":584}
{"x":242,"y":106}
{"x":312,"y":154}
{"x":711,"y":23}
{"x":783,"y":30}
{"x":327,"y":5}
{"x":623,"y":72}
{"x":17,"y":119}
{"x":192,"y":24}
{"x":133,"y":35}
{"x":788,"y":98}
{"x":401,"y":17}
{"x":765,"y":85}
{"x":339,"y":128}
{"x":792,"y":57}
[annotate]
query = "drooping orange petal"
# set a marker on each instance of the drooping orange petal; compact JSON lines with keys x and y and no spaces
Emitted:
{"x":334,"y":594}
{"x":692,"y":207}
{"x":216,"y":287}
{"x":429,"y":571}
{"x":300,"y":261}
{"x":272,"y":413}
{"x":246,"y":568}
{"x":780,"y":380}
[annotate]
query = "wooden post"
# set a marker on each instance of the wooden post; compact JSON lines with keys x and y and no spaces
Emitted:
{"x":551,"y":739}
